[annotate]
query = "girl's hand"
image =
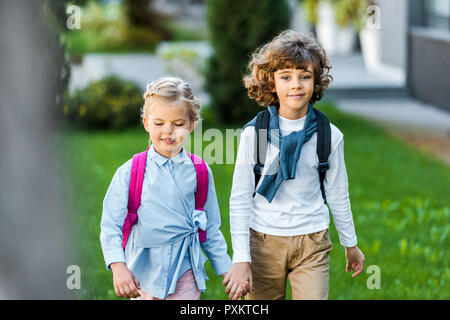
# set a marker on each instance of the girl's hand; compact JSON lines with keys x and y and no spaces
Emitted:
{"x":238,"y":280}
{"x":125,"y":283}
{"x":355,"y":260}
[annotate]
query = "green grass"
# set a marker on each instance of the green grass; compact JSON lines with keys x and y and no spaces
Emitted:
{"x":399,"y":200}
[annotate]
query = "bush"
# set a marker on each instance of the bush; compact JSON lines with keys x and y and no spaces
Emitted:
{"x":110,"y":103}
{"x":237,"y":28}
{"x":107,"y":28}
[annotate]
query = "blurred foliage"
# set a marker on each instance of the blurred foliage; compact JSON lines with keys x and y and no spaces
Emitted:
{"x":110,"y":103}
{"x":237,"y":28}
{"x":182,"y":33}
{"x":184,"y":61}
{"x":116,"y":27}
{"x":311,"y":9}
{"x":141,"y":16}
{"x":347,"y":12}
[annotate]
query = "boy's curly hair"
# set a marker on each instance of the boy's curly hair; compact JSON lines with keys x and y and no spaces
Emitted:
{"x":288,"y":50}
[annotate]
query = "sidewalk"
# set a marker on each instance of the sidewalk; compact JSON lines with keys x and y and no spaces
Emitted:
{"x":418,"y":124}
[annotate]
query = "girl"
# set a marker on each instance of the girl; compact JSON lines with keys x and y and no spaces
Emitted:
{"x":162,"y":257}
{"x":281,"y":224}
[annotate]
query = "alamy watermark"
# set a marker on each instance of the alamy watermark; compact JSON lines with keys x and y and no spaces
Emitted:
{"x":74,"y":279}
{"x":374,"y":280}
{"x":373,"y":19}
{"x":74,"y":20}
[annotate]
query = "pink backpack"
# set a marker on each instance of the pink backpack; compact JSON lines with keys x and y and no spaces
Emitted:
{"x":135,"y":191}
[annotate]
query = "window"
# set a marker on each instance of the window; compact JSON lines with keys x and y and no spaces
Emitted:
{"x":437,"y":14}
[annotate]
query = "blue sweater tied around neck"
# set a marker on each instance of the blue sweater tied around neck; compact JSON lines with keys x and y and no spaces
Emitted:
{"x":288,"y":147}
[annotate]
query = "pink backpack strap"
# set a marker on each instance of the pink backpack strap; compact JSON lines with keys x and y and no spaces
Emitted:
{"x":202,"y":188}
{"x":134,"y":194}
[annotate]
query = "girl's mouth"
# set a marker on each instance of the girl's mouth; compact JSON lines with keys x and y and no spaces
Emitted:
{"x":168,"y":141}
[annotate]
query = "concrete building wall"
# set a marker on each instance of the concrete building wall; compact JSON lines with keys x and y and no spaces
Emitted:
{"x":429,"y":66}
{"x":394,"y":28}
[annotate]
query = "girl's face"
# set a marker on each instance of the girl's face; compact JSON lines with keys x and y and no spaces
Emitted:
{"x":294,"y":88}
{"x":168,"y":126}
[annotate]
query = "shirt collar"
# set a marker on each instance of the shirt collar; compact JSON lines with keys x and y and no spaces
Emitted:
{"x":161,"y":160}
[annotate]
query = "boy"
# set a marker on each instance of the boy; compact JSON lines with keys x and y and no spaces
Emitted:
{"x":279,"y":227}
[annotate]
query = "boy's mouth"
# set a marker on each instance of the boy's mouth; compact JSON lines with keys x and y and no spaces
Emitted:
{"x":296,"y":96}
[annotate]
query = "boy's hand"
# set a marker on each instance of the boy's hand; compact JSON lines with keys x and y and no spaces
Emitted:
{"x":125,"y":283}
{"x":238,"y":280}
{"x":355,"y":260}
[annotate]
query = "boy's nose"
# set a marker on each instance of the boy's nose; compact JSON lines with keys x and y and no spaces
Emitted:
{"x":296,"y":84}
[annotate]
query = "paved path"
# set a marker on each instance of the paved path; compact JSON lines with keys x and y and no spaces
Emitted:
{"x":420,"y":125}
{"x":407,"y":113}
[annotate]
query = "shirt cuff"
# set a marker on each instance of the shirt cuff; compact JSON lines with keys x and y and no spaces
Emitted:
{"x":241,"y":257}
{"x":349,"y":244}
{"x":222,"y":266}
{"x":111,"y":257}
{"x":347,"y":241}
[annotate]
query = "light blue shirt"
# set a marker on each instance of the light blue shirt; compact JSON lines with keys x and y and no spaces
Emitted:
{"x":164,"y":242}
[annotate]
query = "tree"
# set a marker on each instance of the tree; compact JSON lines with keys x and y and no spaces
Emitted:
{"x":141,"y":15}
{"x":237,"y":28}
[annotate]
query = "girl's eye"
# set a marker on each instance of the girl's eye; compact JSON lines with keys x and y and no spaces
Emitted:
{"x":178,"y":125}
{"x":285,"y":78}
{"x":307,"y":77}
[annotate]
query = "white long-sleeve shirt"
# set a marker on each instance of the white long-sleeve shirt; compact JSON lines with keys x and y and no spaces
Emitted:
{"x":298,"y":206}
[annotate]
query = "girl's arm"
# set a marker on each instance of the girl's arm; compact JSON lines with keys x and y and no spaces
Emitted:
{"x":215,"y":245}
{"x":114,"y":212}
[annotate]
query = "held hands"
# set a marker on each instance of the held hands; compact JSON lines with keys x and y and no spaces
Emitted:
{"x":238,"y":280}
{"x":125,"y":283}
{"x":355,"y":260}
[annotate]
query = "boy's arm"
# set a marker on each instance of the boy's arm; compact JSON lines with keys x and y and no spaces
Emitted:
{"x":336,"y":191}
{"x":239,"y":278}
{"x":114,"y":212}
{"x":241,"y":198}
{"x":215,"y":245}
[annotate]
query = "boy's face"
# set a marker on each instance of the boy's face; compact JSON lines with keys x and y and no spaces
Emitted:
{"x":294,"y":88}
{"x":168,"y":126}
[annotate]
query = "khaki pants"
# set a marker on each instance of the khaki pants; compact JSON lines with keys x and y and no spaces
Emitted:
{"x":304,"y":259}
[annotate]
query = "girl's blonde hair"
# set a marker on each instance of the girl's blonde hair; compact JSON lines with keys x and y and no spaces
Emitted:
{"x":171,"y":90}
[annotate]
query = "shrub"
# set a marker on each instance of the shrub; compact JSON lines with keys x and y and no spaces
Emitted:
{"x":107,"y":28}
{"x":237,"y":28}
{"x":110,"y":103}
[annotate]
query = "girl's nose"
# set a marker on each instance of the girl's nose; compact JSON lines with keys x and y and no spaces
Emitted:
{"x":167,"y":129}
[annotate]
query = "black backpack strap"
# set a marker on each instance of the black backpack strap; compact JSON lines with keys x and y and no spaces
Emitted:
{"x":261,"y":138}
{"x":323,"y":146}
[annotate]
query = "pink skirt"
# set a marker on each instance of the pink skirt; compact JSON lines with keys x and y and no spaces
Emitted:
{"x":186,"y":289}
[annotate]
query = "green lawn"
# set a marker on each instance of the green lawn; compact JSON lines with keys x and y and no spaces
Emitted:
{"x":399,"y":196}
